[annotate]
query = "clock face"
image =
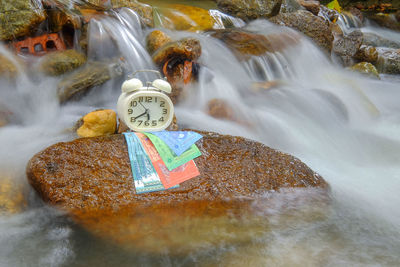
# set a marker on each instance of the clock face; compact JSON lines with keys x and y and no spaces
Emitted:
{"x":148,"y":111}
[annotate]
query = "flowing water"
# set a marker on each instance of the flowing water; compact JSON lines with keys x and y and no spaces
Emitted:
{"x":343,"y":125}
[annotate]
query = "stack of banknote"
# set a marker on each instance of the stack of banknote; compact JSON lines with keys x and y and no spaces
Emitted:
{"x":162,"y":160}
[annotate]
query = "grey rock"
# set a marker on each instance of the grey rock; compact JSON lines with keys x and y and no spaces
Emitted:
{"x":250,"y":9}
{"x":83,"y":79}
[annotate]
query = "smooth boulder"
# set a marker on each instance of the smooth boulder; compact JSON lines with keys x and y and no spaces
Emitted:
{"x":245,"y":44}
{"x":312,"y":26}
{"x":91,"y":179}
{"x":250,"y":9}
{"x":388,"y":60}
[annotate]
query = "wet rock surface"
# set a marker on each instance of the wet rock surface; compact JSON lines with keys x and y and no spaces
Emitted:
{"x":143,"y":10}
{"x":97,"y":123}
{"x":367,"y":54}
{"x":388,"y":60}
{"x":12,"y":198}
{"x":91,"y":179}
{"x":386,"y":21}
{"x":245,"y":44}
{"x":372,"y":39}
{"x":19,"y":17}
{"x":218,"y":108}
{"x":8,"y":70}
{"x":83,"y":79}
{"x":187,"y":18}
{"x":312,"y":26}
{"x":366,"y":68}
{"x":61,"y":62}
{"x":250,"y":9}
{"x":347,"y":45}
{"x":155,"y":40}
{"x":176,"y":60}
{"x":311,"y":5}
{"x":185,"y":49}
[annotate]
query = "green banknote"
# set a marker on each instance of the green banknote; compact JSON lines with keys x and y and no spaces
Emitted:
{"x":170,"y":159}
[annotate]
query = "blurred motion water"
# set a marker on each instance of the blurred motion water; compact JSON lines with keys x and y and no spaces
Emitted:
{"x":343,"y":125}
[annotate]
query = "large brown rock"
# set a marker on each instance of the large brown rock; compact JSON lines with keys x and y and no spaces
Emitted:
{"x":91,"y":179}
{"x":19,"y":18}
{"x":312,"y":26}
{"x":250,"y":9}
{"x":245,"y":44}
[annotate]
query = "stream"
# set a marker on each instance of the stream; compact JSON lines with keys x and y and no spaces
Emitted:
{"x":343,"y":125}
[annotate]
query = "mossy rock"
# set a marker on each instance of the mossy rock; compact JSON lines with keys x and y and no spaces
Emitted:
{"x":92,"y":74}
{"x":61,"y":62}
{"x":8,"y":70}
{"x":19,"y":18}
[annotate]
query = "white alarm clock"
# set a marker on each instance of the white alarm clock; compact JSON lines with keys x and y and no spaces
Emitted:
{"x":145,"y":108}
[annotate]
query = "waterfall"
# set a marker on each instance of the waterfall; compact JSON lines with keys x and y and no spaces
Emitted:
{"x":343,"y":125}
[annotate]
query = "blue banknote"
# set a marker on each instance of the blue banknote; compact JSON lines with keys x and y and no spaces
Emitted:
{"x":178,"y":141}
{"x":145,"y":176}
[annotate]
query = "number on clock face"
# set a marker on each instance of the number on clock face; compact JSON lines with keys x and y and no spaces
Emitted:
{"x":148,"y":111}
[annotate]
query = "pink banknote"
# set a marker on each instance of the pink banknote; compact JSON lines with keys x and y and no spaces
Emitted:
{"x":168,"y":178}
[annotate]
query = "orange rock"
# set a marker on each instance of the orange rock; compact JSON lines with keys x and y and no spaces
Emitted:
{"x":186,"y":18}
{"x":185,"y":49}
{"x":155,"y":40}
{"x":218,"y":108}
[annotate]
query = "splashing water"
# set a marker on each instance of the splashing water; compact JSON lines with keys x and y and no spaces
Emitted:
{"x":344,"y":126}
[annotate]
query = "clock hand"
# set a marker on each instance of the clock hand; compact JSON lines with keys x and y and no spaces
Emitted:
{"x":144,"y":113}
{"x":143,"y":106}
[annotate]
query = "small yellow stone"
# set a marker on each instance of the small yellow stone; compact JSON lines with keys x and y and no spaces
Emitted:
{"x":98,"y":123}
